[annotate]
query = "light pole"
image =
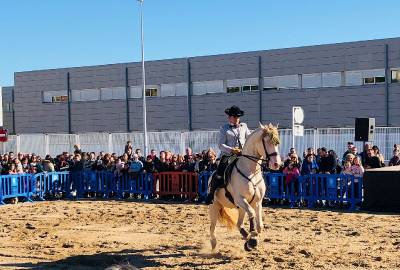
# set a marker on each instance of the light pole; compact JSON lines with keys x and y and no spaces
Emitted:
{"x":143,"y":83}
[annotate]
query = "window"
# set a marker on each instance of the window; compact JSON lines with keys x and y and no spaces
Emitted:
{"x":55,"y":96}
{"x":246,"y":88}
{"x":360,"y":77}
{"x":8,"y":107}
{"x":353,"y":77}
{"x":312,"y":80}
{"x":113,"y":93}
{"x":245,"y":85}
{"x":135,"y":91}
{"x":151,"y":92}
{"x":380,"y":79}
{"x":208,"y":87}
{"x":370,"y":80}
{"x":396,"y":75}
{"x":332,"y":79}
{"x":234,"y":89}
{"x":174,"y":89}
{"x":281,"y":82}
{"x":86,"y":95}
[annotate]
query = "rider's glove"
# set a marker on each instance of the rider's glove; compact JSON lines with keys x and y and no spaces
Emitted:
{"x":236,"y":151}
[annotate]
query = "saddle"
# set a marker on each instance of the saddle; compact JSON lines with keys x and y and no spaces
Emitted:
{"x":228,"y":169}
{"x":227,"y":177}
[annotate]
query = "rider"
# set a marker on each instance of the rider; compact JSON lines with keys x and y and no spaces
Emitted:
{"x":232,"y":137}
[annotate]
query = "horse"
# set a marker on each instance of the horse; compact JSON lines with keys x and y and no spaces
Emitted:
{"x":246,"y":186}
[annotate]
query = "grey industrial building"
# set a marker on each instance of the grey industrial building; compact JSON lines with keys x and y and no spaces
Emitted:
{"x":333,"y":83}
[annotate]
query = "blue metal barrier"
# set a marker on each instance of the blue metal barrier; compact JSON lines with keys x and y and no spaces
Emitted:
{"x":16,"y":185}
{"x":50,"y":184}
{"x":135,"y":183}
{"x":203,"y":183}
{"x":333,"y":188}
{"x":308,"y":188}
{"x":278,"y":189}
{"x":89,"y":181}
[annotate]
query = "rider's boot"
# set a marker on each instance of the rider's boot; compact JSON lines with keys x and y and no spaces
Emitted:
{"x":213,"y":186}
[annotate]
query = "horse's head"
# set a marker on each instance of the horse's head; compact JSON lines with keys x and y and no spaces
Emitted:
{"x":268,"y":145}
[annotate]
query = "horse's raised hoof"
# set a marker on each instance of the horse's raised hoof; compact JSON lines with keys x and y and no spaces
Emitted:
{"x":252,"y":243}
{"x":247,"y":247}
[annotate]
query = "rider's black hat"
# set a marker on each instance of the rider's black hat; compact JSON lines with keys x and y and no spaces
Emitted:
{"x":234,"y":111}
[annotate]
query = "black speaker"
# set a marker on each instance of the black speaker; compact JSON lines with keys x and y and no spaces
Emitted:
{"x":364,"y":129}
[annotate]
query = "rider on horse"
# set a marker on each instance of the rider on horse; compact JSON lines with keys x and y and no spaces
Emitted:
{"x":232,"y":137}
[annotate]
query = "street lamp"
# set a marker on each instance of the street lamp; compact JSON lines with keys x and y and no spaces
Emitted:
{"x":143,"y":83}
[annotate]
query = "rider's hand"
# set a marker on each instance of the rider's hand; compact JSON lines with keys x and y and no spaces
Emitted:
{"x":236,"y":151}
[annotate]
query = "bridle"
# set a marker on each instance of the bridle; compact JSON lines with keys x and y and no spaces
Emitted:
{"x":256,"y":160}
{"x":267,"y":155}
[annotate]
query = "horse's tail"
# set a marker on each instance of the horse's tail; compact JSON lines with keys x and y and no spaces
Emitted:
{"x":228,"y":217}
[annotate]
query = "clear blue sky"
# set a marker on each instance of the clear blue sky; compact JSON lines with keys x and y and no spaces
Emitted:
{"x":42,"y":34}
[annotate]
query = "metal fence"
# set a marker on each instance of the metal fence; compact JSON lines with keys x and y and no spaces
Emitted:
{"x":176,"y":141}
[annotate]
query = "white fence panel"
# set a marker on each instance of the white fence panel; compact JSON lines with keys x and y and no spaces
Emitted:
{"x":59,"y":143}
{"x":32,"y":143}
{"x":176,"y":141}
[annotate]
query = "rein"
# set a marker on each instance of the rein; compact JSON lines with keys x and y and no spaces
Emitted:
{"x":256,"y":159}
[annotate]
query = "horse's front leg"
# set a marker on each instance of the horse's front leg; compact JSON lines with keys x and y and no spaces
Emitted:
{"x":252,"y":242}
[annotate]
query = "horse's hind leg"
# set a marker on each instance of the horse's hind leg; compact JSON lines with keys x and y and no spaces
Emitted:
{"x":259,"y":216}
{"x":240,"y":227}
{"x":214,"y":212}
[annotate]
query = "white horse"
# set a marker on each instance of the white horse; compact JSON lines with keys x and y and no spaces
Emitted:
{"x":247,"y":186}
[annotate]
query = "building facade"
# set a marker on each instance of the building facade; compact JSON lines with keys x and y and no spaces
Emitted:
{"x":333,"y":83}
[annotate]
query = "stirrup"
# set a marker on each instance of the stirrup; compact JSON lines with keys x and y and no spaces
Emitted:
{"x":209,"y":199}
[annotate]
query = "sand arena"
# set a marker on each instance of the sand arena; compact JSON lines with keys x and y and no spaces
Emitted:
{"x":153,"y":235}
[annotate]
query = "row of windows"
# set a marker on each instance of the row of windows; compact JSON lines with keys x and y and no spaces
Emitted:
{"x":306,"y":81}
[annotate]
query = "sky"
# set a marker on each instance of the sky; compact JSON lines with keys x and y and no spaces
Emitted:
{"x":48,"y":34}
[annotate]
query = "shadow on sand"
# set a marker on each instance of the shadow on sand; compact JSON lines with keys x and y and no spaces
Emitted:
{"x":129,"y":259}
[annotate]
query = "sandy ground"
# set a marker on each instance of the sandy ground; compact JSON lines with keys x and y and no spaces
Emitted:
{"x":98,"y":234}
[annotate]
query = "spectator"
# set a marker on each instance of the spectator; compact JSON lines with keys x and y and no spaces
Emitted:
{"x":379,"y":155}
{"x":127,"y":147}
{"x":350,"y":145}
{"x":364,"y":153}
{"x":357,"y":168}
{"x":189,"y":165}
{"x":120,"y":167}
{"x":12,"y":169}
{"x":136,"y":166}
{"x":327,"y":163}
{"x":309,"y":165}
{"x":395,"y":160}
{"x":153,"y":155}
{"x":77,"y":149}
{"x":148,"y":166}
{"x":347,"y":168}
{"x":292,"y":173}
{"x":309,"y":151}
{"x":188,"y":153}
{"x":372,"y":161}
{"x":141,"y":157}
{"x":18,"y":166}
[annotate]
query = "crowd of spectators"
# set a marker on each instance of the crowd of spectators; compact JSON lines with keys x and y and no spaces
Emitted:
{"x":129,"y":162}
{"x":310,"y":162}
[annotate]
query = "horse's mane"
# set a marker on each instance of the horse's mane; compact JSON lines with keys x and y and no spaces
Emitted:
{"x":272,"y":132}
{"x":269,"y":131}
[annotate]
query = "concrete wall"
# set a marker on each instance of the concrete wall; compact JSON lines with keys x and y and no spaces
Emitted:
{"x":324,"y":107}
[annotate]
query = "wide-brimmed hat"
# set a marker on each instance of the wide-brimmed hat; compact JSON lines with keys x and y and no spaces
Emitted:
{"x":234,"y":111}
